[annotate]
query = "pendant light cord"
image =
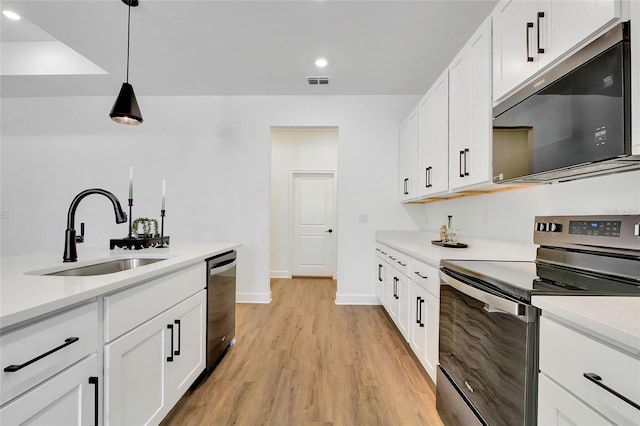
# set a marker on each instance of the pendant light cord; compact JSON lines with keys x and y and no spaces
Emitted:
{"x":128,"y":38}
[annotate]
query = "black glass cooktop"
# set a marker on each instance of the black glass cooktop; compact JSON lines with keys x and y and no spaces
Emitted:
{"x":521,"y":280}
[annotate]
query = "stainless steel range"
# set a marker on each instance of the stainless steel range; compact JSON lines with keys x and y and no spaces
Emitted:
{"x":489,"y":329}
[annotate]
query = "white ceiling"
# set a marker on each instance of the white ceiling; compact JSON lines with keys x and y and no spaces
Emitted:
{"x":246,"y":47}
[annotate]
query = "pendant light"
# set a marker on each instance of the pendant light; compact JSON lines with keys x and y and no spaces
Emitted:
{"x":125,"y":109}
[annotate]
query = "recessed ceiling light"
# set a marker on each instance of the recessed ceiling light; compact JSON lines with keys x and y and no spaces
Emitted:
{"x":321,"y":62}
{"x":11,"y":15}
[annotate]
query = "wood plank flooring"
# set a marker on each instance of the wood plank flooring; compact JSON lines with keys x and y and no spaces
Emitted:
{"x":302,"y":360}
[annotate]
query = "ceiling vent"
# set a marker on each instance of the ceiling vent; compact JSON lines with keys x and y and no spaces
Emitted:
{"x":314,"y":80}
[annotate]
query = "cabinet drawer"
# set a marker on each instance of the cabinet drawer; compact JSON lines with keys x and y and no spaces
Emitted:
{"x":426,"y":276}
{"x":399,"y":261}
{"x":566,"y":355}
{"x":41,"y":338}
{"x":129,"y":308}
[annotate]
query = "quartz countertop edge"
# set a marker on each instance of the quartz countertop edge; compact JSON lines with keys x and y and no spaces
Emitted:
{"x":417,"y":244}
{"x":613,"y":320}
{"x":25,"y":295}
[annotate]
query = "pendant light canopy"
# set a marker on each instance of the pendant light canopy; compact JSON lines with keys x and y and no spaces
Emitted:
{"x":125,"y":109}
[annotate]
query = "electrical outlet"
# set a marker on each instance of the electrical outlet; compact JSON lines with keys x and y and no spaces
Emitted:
{"x":484,"y":217}
{"x":363,"y":218}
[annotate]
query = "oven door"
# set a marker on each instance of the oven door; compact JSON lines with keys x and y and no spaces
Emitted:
{"x":488,"y":354}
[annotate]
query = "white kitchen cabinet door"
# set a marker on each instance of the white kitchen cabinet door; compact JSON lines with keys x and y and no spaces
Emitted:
{"x":68,"y":398}
{"x":394,"y":301}
{"x":433,"y":139}
{"x":189,"y":322}
{"x":514,"y":60}
{"x":382,"y":286}
{"x":408,"y":156}
{"x":529,"y":35}
{"x":417,"y":321}
{"x":566,"y":23}
{"x":402,"y":292}
{"x":470,"y":115}
{"x":136,"y":373}
{"x":431,"y":319}
{"x":557,"y":407}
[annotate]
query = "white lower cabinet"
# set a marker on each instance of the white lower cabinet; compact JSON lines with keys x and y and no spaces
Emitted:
{"x":68,"y":398}
{"x":600,"y":381}
{"x":149,"y":368}
{"x":424,"y":319}
{"x":557,"y":407}
{"x":382,"y":282}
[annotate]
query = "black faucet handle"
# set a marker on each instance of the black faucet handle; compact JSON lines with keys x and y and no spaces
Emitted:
{"x":80,"y":238}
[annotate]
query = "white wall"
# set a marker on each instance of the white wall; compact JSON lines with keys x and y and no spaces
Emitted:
{"x":511,"y":214}
{"x":308,"y":149}
{"x":214,"y":153}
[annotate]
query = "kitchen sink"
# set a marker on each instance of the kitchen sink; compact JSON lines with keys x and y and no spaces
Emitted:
{"x":108,"y":267}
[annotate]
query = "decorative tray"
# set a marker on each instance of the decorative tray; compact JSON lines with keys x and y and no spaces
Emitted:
{"x":448,"y":245}
{"x":137,"y":243}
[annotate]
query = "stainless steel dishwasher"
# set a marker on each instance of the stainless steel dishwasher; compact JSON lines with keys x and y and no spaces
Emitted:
{"x":221,"y":306}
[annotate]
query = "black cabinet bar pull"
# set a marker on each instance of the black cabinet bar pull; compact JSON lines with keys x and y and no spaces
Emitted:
{"x":420,"y":275}
{"x":421,"y":303}
{"x":540,"y":15}
{"x":379,"y":272}
{"x":417,"y":310}
{"x":529,"y":25}
{"x":177,"y":322}
{"x":466,"y":151}
{"x":67,"y":342}
{"x":460,"y":163}
{"x":94,"y":381}
{"x":170,"y":357}
{"x":426,"y":177}
{"x":593,"y":377}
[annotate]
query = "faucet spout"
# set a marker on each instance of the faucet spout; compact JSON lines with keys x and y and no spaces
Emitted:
{"x":70,"y":252}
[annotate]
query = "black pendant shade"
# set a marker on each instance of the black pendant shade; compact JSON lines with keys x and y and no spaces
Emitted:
{"x":125,"y":109}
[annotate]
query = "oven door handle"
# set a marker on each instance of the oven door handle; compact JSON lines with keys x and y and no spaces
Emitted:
{"x":496,"y":303}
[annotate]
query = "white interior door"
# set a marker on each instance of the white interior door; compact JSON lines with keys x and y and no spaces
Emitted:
{"x":313,"y":221}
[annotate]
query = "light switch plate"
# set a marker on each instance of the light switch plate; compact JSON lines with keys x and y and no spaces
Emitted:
{"x":363,"y":218}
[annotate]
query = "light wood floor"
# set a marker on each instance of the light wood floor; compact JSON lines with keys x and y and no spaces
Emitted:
{"x":303,"y":360}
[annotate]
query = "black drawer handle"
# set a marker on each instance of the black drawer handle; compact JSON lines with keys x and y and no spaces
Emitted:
{"x":67,"y":342}
{"x":179,"y":331}
{"x":94,"y":381}
{"x":170,"y":357}
{"x":420,"y":275}
{"x":593,"y":377}
{"x":401,"y":264}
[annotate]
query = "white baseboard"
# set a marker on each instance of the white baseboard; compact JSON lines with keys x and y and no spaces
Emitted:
{"x":253,"y":298}
{"x":356,"y":299}
{"x":280,"y":274}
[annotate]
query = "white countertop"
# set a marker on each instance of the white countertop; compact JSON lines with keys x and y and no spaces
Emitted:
{"x":615,"y":320}
{"x":24,"y":294}
{"x":418,"y":245}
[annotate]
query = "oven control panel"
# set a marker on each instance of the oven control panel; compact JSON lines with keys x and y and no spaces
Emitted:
{"x":614,"y":231}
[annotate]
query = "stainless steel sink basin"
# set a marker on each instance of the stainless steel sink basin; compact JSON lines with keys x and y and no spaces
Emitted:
{"x":108,"y":267}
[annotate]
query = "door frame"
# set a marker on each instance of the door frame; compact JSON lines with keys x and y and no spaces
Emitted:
{"x":292,"y":175}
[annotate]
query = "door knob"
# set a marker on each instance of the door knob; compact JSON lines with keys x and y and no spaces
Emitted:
{"x":329,"y":231}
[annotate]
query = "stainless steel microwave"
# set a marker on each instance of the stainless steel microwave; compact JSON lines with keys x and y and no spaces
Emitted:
{"x":573,"y":121}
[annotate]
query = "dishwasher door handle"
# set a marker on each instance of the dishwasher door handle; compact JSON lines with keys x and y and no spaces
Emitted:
{"x":223,"y":268}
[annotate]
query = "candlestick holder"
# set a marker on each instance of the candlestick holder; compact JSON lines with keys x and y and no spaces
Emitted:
{"x":130,"y":215}
{"x":162,"y":214}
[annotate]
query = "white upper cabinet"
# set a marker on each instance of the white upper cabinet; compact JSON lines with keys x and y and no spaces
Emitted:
{"x":433,"y":139}
{"x":408,"y":156}
{"x":470,"y":115}
{"x":528,"y":35}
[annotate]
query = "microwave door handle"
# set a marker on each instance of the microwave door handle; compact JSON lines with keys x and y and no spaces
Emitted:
{"x":496,"y":302}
